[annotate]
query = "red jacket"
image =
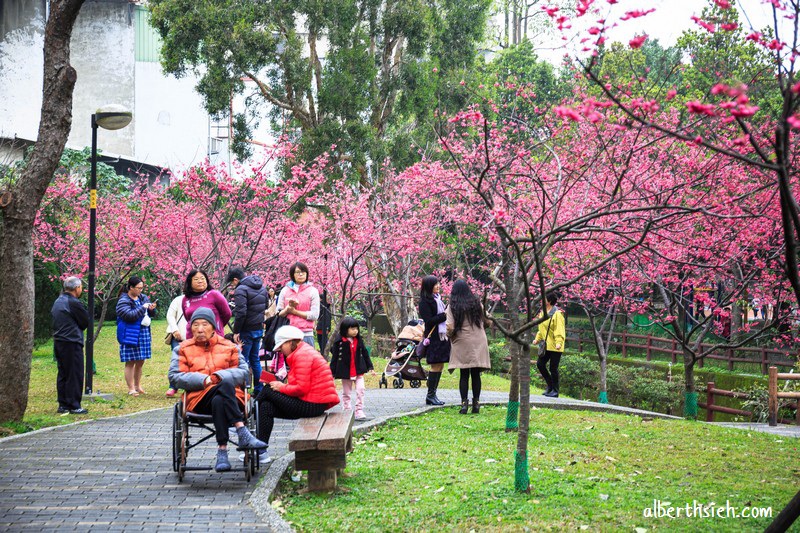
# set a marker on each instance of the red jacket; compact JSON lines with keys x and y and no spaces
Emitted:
{"x":310,"y":377}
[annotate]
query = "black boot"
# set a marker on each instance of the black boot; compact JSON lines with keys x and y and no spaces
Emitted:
{"x":433,"y":384}
{"x":464,"y":407}
{"x":476,"y":407}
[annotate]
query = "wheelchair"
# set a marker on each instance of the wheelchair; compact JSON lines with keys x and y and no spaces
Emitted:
{"x":186,"y":425}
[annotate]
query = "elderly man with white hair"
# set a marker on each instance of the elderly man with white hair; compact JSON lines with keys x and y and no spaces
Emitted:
{"x":70,"y":318}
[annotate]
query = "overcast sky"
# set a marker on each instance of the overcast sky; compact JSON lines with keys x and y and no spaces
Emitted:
{"x":666,"y":24}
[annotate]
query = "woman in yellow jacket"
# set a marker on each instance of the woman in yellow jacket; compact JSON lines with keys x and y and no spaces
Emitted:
{"x":553,"y":333}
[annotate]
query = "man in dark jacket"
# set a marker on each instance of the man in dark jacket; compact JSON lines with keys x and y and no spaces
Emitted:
{"x":250,"y":301}
{"x":70,"y":318}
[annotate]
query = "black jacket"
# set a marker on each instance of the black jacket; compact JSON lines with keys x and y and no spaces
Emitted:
{"x":340,"y":359}
{"x":250,"y":300}
{"x":70,"y":318}
{"x":438,"y":351}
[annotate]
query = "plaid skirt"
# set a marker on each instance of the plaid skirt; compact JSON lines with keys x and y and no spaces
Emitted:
{"x":143,"y":350}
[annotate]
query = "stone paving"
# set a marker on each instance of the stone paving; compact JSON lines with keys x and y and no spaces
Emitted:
{"x":116,"y":474}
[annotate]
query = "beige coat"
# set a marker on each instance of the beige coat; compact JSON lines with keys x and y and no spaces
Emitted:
{"x":469,"y":347}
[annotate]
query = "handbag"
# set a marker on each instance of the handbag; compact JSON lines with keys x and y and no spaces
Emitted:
{"x":422,"y":346}
{"x":542,"y":346}
{"x":269,"y":335}
{"x":169,"y":337}
{"x":277,"y":366}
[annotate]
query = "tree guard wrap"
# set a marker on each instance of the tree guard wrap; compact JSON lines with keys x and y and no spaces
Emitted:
{"x":521,"y":480}
{"x":690,"y":405}
{"x":512,"y":415}
{"x":603,"y":397}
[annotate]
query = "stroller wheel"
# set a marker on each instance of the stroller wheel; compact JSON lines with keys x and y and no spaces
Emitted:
{"x":398,"y":383}
{"x":415,"y":383}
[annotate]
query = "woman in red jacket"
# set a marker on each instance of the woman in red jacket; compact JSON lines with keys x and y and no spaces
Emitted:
{"x":309,"y":390}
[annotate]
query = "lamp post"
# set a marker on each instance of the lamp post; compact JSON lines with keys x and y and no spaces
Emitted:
{"x":108,"y":117}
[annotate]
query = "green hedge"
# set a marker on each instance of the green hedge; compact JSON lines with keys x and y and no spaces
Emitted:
{"x":631,"y":387}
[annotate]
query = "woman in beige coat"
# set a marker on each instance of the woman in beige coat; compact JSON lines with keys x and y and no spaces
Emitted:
{"x":470,"y":349}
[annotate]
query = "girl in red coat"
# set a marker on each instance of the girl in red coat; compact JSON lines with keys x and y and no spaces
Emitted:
{"x":309,"y":390}
{"x":349,"y":362}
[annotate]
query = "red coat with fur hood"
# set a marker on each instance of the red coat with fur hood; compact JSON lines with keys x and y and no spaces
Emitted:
{"x":310,"y":377}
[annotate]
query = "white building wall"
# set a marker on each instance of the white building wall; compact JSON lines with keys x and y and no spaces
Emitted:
{"x":172,"y":126}
{"x":21,"y":69}
{"x":103,"y":54}
{"x":169,"y":127}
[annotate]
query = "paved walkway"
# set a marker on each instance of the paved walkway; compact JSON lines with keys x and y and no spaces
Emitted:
{"x":783,"y":430}
{"x":116,"y":474}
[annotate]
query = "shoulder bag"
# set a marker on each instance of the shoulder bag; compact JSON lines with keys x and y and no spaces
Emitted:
{"x":422,"y":346}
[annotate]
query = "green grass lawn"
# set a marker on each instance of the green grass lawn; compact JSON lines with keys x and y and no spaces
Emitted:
{"x":447,"y":472}
{"x":42,"y":404}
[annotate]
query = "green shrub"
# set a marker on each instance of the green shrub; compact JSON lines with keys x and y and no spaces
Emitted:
{"x":498,"y":351}
{"x":628,"y":386}
{"x":579,"y":376}
{"x":758,"y":403}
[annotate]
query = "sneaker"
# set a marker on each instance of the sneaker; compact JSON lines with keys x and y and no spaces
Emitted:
{"x":170,"y":392}
{"x":223,"y":465}
{"x":263,"y":458}
{"x":62,"y":410}
{"x":360,"y":416}
{"x":78,"y":411}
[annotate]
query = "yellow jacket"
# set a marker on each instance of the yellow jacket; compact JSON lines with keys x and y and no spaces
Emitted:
{"x":556,"y":336}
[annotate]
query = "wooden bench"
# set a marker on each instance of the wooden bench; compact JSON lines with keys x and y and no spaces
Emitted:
{"x":319,"y":445}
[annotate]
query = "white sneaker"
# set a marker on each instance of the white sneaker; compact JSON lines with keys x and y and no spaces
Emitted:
{"x":263,"y":458}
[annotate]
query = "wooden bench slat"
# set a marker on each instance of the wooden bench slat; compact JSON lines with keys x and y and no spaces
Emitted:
{"x":335,"y":432}
{"x":306,"y":433}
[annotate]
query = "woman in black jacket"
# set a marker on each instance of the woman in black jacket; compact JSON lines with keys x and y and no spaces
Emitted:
{"x":432,"y":311}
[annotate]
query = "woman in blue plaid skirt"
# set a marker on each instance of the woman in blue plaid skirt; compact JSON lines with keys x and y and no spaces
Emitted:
{"x":134,"y":310}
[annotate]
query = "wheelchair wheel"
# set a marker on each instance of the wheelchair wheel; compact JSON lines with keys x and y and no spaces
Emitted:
{"x":253,"y":425}
{"x":398,"y":383}
{"x":383,"y":383}
{"x":177,"y":437}
{"x":184,"y":444}
{"x":415,"y":383}
{"x":248,"y":465}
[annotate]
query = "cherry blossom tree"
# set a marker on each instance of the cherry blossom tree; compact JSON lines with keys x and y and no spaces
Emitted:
{"x":20,"y":197}
{"x":730,"y":119}
{"x":537,"y":206}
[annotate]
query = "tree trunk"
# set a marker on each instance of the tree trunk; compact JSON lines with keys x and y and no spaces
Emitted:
{"x":16,"y":222}
{"x":521,"y":476}
{"x":603,"y":397}
{"x":690,"y":400}
{"x":512,"y":410}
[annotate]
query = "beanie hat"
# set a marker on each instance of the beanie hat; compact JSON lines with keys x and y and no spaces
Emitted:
{"x":206,"y":314}
{"x":287,"y":333}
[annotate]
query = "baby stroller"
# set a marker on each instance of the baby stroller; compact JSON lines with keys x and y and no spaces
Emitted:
{"x":404,"y":362}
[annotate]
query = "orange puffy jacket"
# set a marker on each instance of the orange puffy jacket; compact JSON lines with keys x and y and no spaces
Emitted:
{"x":219,"y":354}
{"x":310,"y":377}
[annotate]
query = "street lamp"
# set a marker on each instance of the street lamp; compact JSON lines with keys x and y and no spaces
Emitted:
{"x":108,"y":117}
